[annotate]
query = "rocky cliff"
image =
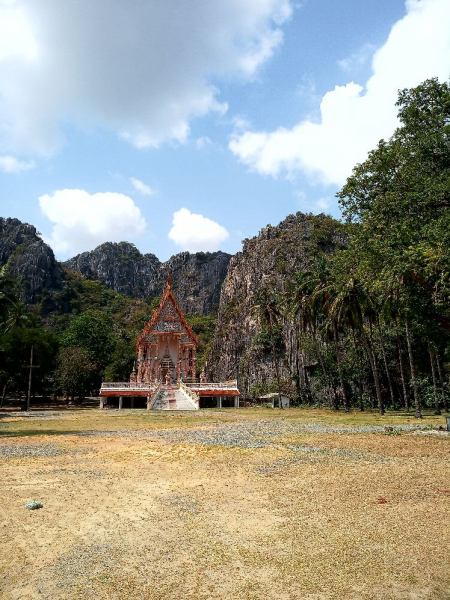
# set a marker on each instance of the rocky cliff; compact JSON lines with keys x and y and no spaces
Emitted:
{"x":266,"y":268}
{"x":196,"y":278}
{"x":30,"y":260}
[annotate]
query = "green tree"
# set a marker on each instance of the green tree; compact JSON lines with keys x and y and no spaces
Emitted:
{"x":92,"y":331}
{"x":399,"y":198}
{"x":266,"y":307}
{"x":76,"y":372}
{"x":15,"y":349}
{"x":122,"y":360}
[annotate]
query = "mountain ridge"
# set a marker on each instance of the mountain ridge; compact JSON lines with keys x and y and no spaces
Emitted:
{"x":196,"y":277}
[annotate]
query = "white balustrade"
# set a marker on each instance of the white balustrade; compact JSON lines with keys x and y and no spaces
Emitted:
{"x":126,"y":385}
{"x":228,"y":385}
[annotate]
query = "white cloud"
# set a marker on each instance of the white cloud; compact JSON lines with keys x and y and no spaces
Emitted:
{"x":358,"y":59}
{"x":10,"y":164}
{"x":196,"y":233}
{"x":353,"y":118}
{"x":141,"y":69}
{"x":203,"y":142}
{"x":240,"y":123}
{"x":82,"y":221}
{"x":317,"y":205}
{"x":141,"y":187}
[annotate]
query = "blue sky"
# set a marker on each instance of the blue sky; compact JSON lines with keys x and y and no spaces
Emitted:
{"x":190,"y":126}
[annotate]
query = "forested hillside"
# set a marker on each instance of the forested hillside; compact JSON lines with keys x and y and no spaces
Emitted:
{"x":354,"y":314}
{"x":82,"y":331}
{"x":196,"y":278}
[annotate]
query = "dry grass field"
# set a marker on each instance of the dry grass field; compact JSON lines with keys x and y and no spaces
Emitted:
{"x":252,"y":504}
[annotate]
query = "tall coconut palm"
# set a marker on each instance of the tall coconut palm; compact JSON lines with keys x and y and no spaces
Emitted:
{"x":266,"y":307}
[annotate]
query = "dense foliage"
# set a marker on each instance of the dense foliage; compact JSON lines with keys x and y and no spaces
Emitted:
{"x":88,"y":336}
{"x":374,"y":318}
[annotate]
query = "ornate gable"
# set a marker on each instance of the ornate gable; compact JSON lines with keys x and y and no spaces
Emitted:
{"x":167,"y":318}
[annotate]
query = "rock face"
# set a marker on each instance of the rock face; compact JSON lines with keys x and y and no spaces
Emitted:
{"x":266,"y":268}
{"x":30,"y":260}
{"x":196,"y":278}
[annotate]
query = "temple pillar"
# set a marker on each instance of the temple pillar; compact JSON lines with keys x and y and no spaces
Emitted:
{"x":101,"y":402}
{"x":132,"y":402}
{"x":236,"y":402}
{"x":219,"y":402}
{"x":179,"y":359}
{"x":148,"y":402}
{"x":120,"y":402}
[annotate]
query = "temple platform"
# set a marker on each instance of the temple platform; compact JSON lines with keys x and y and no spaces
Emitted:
{"x":181,"y":396}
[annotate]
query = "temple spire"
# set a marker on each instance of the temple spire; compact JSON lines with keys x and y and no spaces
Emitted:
{"x":169,"y":280}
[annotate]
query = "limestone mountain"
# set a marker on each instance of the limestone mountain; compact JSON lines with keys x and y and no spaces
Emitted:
{"x":196,"y":278}
{"x":30,"y":260}
{"x":267,"y":266}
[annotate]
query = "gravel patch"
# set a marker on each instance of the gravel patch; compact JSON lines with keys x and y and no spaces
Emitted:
{"x":40,"y":415}
{"x":82,"y":563}
{"x":127,"y":433}
{"x":344,"y":453}
{"x":261,"y":434}
{"x":76,"y":472}
{"x":251,"y":434}
{"x":314,"y":454}
{"x":183,"y":504}
{"x":31,"y":451}
{"x":276,"y":466}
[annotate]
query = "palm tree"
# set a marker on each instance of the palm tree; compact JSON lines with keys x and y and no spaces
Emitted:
{"x":431,"y":353}
{"x":329,"y":297}
{"x":265,"y":305}
{"x":418,"y":412}
{"x":306,"y":313}
{"x":18,"y":317}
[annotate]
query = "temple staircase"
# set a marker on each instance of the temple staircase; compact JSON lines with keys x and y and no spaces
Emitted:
{"x":173,"y":398}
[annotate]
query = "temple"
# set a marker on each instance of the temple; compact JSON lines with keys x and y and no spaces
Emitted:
{"x":165,"y":373}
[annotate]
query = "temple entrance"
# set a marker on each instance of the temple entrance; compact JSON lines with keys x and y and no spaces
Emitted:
{"x":165,"y":372}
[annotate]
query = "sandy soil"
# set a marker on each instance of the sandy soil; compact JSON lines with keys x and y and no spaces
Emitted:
{"x":131,"y":513}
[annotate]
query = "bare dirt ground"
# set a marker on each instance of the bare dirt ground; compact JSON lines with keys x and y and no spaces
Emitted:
{"x":254,"y":504}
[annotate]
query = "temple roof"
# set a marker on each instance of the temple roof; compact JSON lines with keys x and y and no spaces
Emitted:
{"x":167,"y":317}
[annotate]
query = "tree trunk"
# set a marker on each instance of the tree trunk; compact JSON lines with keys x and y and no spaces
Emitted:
{"x":433,"y":375}
{"x":3,"y":394}
{"x":358,"y":362}
{"x":29,"y":379}
{"x":418,"y":412}
{"x":275,"y":361}
{"x":297,"y":366}
{"x":339,"y":362}
{"x":372,"y":360}
{"x":441,"y":379}
{"x":376,"y":376}
{"x":383,"y":351}
{"x":324,"y":370}
{"x":402,"y":374}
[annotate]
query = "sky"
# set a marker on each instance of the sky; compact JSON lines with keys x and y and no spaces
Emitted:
{"x":189,"y":126}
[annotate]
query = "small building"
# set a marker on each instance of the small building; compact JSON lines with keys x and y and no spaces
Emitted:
{"x":164,"y":376}
{"x":273,"y":400}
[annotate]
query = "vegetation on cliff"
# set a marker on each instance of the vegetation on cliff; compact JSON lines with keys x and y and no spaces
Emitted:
{"x":362,"y":306}
{"x":196,"y":278}
{"x":89,"y":336}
